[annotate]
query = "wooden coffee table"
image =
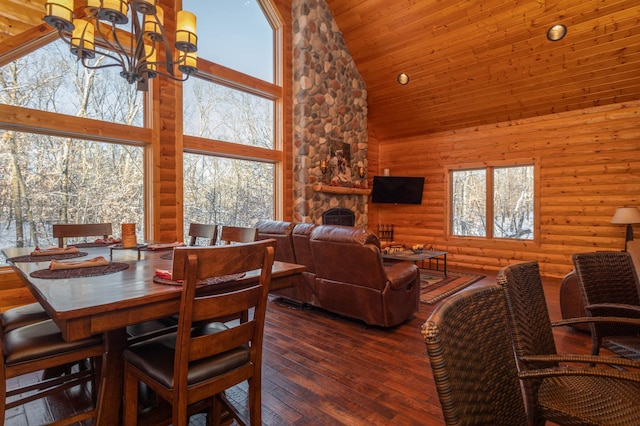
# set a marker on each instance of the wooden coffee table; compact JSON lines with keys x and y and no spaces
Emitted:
{"x":408,"y":255}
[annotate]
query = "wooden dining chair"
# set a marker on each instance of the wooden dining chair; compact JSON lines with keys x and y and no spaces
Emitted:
{"x":61,"y":231}
{"x":40,"y":346}
{"x":201,"y":230}
{"x":238,"y":234}
{"x":197,"y":363}
{"x":33,"y":312}
{"x":20,"y":316}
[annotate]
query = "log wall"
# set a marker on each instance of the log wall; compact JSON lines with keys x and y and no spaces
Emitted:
{"x":588,"y":165}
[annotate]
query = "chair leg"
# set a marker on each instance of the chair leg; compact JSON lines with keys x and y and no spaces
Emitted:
{"x":180,"y":409}
{"x":3,"y":397}
{"x":215,"y":412}
{"x":95,"y":364}
{"x":130,"y":398}
{"x":255,"y":402}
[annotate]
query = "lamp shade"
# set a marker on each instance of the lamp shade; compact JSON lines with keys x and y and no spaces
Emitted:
{"x":626,"y":215}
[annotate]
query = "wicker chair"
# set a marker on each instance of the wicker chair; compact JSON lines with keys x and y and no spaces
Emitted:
{"x":609,"y":286}
{"x":580,"y":394}
{"x":469,"y":349}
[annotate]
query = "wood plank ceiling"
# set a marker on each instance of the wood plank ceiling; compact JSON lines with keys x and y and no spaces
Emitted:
{"x":474,"y":62}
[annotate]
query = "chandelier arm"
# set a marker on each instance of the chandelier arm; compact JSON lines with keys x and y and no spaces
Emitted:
{"x":171,"y":76}
{"x":103,"y":52}
{"x":97,"y":67}
{"x":67,"y":40}
{"x":111,"y":47}
{"x":138,"y":56}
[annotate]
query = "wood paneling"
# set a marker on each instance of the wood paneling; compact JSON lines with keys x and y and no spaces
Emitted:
{"x":588,"y":165}
{"x":474,"y":63}
{"x":12,"y":291}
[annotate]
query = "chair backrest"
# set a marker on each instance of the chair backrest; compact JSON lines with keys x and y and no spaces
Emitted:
{"x":238,"y":234}
{"x":633,"y":248}
{"x":193,"y":263}
{"x":470,"y":352}
{"x":62,"y":231}
{"x":607,"y":278}
{"x":528,"y":319}
{"x":527,"y":307}
{"x":201,"y":230}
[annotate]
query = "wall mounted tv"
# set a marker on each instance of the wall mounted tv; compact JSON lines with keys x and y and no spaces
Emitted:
{"x":397,"y":189}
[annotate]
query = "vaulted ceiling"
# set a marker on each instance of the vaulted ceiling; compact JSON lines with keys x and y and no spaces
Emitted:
{"x":474,"y":62}
{"x":471,"y":62}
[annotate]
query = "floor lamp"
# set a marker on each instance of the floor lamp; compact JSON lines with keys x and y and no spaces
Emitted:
{"x":626,"y":216}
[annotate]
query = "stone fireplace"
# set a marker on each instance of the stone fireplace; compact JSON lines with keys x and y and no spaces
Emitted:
{"x":329,"y":118}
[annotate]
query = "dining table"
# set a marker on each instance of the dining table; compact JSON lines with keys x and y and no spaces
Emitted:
{"x":108,"y":303}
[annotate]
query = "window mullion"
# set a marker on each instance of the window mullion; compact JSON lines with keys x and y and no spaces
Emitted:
{"x":489,"y":201}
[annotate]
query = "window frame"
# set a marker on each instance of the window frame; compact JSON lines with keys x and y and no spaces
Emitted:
{"x":236,"y":80}
{"x":489,"y":167}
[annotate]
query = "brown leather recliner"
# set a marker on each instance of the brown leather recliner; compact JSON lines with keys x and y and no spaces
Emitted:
{"x":281,"y":232}
{"x":352,"y":280}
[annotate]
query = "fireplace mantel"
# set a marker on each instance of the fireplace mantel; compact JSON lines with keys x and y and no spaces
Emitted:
{"x":341,"y":190}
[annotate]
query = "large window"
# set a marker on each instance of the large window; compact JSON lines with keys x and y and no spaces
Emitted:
{"x":214,"y":111}
{"x":505,"y":194}
{"x":47,"y":179}
{"x":235,"y":34}
{"x":227,"y":191}
{"x":51,"y":79}
{"x":235,"y":184}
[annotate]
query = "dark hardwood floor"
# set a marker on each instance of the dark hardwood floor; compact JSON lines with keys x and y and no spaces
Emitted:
{"x":323,"y":369}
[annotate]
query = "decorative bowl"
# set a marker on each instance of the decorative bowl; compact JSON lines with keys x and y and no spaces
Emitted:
{"x":417,"y":251}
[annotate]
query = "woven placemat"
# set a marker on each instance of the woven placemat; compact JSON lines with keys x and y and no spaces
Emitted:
{"x":46,"y":257}
{"x":91,"y":271}
{"x":207,"y":281}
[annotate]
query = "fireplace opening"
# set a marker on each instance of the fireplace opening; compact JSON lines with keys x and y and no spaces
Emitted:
{"x":339,"y":216}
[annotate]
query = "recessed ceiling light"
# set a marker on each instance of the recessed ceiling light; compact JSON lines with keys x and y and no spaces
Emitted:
{"x":556,"y":32}
{"x":403,"y":78}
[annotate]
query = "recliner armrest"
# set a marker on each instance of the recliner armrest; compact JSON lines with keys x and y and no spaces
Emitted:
{"x":401,"y":275}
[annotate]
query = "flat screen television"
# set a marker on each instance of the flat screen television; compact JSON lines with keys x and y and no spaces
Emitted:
{"x":397,"y":189}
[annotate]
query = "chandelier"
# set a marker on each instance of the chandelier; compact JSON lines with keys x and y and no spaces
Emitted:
{"x":136,"y":49}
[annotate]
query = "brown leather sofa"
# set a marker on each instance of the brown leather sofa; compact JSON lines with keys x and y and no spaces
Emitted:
{"x":345,"y":273}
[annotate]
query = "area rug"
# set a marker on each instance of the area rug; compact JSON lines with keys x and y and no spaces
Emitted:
{"x":434,"y":286}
